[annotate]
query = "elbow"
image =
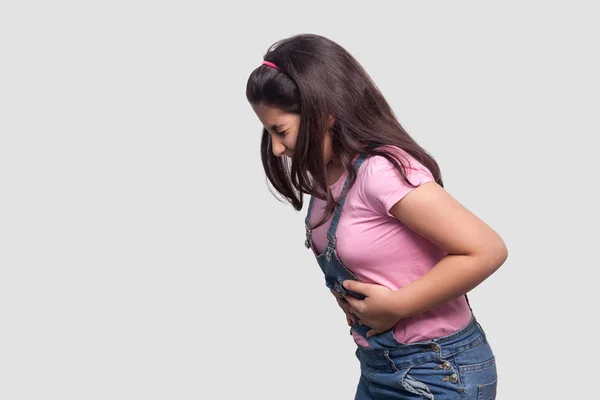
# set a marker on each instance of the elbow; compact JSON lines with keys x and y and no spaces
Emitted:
{"x":496,"y":254}
{"x":490,"y":254}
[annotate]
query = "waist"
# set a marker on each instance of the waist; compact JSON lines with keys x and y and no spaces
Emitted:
{"x":444,"y":320}
{"x":420,"y":352}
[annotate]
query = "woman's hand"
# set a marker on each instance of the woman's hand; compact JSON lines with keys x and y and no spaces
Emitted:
{"x":378,"y":309}
{"x":350,"y":318}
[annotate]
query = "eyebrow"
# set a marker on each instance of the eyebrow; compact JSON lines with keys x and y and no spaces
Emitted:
{"x":277,"y":127}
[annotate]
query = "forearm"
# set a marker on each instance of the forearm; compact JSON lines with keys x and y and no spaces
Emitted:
{"x":452,"y":276}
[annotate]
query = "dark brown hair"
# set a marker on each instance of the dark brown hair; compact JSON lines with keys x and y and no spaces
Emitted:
{"x":317,"y":77}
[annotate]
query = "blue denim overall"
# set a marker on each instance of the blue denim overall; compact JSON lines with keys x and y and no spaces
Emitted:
{"x":457,"y":366}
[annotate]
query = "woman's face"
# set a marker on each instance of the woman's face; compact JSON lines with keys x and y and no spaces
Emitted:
{"x":283,"y":128}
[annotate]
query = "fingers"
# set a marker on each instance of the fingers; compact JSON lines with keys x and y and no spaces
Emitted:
{"x":352,"y":317}
{"x":342,"y":303}
{"x":345,"y":306}
{"x":373,"y":332}
{"x":356,"y":304}
{"x":350,"y":312}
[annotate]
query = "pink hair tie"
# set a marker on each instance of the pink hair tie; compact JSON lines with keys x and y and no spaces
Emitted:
{"x":270,"y":64}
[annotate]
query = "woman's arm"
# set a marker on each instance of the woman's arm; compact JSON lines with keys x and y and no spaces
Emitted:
{"x":475,"y":250}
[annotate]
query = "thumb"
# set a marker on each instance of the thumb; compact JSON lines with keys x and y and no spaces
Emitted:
{"x":356,"y":286}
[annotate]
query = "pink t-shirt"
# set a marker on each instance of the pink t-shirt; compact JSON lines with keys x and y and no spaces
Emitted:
{"x":380,"y":249}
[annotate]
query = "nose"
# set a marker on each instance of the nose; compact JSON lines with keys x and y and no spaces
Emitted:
{"x":278,"y":147}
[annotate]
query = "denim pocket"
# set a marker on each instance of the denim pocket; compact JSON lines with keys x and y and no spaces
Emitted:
{"x":487,"y":392}
{"x":479,"y":379}
{"x":477,"y":371}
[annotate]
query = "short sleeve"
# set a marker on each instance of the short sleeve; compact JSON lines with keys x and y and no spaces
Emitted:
{"x":383,"y":186}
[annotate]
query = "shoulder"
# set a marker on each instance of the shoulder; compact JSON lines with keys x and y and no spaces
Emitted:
{"x":378,"y":166}
{"x":380,"y":184}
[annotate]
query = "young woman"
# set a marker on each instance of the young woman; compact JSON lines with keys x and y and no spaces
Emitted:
{"x":397,"y":251}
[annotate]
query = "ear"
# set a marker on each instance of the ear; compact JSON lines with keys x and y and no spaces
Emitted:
{"x":331,"y":120}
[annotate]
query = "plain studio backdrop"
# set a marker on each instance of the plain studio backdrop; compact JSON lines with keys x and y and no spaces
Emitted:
{"x":142,"y":255}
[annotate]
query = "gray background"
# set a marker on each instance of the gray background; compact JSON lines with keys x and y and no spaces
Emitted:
{"x":143,"y":257}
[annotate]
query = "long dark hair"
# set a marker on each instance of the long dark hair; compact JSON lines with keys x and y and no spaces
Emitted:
{"x":316,"y":78}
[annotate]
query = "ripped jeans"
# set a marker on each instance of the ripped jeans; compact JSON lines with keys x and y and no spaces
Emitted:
{"x":458,"y":366}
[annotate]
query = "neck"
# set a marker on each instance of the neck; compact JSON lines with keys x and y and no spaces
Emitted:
{"x":334,"y":162}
